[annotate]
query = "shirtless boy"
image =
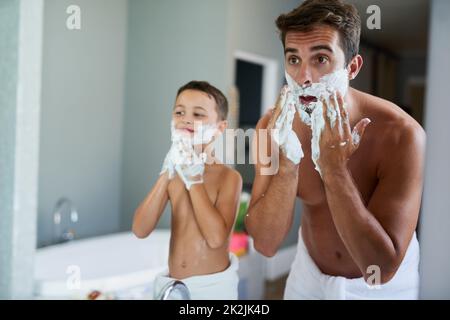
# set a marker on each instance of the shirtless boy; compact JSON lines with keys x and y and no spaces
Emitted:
{"x":204,"y":196}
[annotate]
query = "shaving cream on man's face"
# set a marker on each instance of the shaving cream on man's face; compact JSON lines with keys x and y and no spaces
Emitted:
{"x":312,"y":112}
{"x":333,"y":82}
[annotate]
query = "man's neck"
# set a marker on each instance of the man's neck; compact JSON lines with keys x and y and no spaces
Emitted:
{"x":353,"y":106}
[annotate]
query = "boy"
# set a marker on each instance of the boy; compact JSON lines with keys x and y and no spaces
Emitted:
{"x":204,"y":196}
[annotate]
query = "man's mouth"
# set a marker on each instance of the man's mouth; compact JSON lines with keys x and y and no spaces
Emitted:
{"x":305,"y":100}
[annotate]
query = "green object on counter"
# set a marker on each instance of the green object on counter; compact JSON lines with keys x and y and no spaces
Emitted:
{"x":240,"y":225}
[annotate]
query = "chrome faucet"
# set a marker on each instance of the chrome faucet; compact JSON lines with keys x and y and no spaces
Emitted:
{"x":67,"y":234}
{"x":170,"y":290}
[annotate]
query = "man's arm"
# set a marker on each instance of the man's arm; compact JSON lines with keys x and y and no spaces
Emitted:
{"x":271,"y":208}
{"x":215,"y":222}
{"x":379,"y":234}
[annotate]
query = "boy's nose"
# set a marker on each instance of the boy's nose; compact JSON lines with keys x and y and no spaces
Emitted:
{"x":187,"y":120}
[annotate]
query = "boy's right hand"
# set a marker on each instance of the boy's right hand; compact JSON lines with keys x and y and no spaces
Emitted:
{"x":168,"y":164}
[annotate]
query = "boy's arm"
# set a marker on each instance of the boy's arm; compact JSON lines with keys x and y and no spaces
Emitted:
{"x":149,"y":211}
{"x":215,"y":222}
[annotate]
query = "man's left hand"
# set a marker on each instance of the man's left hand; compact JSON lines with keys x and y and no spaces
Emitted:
{"x":337,"y":141}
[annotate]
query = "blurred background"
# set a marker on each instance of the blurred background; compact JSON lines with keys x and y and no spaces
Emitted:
{"x":107,"y":90}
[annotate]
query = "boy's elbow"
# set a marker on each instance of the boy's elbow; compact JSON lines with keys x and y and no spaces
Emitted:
{"x":216,"y":242}
{"x":139,"y":232}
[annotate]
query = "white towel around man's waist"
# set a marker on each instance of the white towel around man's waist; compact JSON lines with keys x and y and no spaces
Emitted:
{"x":306,"y":281}
{"x":216,"y":286}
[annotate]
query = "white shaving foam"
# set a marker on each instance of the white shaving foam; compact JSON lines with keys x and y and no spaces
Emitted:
{"x":203,"y":134}
{"x":327,"y":85}
{"x":356,"y":138}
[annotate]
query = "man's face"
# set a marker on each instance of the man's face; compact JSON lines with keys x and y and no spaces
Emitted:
{"x":193,"y":106}
{"x":313,"y":54}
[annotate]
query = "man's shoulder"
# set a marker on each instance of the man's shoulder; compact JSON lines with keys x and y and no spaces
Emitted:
{"x":396,"y":132}
{"x":391,"y":121}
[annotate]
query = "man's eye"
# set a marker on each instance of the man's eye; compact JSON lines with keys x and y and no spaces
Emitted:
{"x":322,"y":59}
{"x":293,"y":60}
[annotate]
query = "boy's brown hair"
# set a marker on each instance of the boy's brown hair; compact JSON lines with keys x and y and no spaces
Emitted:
{"x":311,"y":13}
{"x":212,"y":92}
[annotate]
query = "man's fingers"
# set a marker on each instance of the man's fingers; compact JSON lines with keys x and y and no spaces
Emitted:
{"x":332,"y":119}
{"x":358,"y":131}
{"x":344,"y":116}
{"x":273,"y":119}
{"x":276,"y":111}
{"x":325,"y":106}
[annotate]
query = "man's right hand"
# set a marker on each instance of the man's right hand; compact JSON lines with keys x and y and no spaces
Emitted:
{"x":280,"y":127}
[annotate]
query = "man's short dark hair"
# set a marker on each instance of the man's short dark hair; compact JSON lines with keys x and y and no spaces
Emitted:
{"x":335,"y":13}
{"x":212,"y":92}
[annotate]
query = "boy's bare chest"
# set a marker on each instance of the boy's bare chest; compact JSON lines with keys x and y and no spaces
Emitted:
{"x":180,"y":198}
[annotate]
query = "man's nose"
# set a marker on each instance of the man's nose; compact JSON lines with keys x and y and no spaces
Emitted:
{"x":303,"y":76}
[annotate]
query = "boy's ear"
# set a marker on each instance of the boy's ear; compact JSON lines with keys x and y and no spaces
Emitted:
{"x":222,"y":125}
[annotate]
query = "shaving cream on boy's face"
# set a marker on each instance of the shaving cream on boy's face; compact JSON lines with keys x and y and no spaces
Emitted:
{"x":202,"y":133}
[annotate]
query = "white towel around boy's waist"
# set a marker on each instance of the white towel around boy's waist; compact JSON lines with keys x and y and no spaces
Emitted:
{"x":216,"y":286}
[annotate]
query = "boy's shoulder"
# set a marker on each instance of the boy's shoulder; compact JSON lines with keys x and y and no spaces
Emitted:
{"x":227,"y":175}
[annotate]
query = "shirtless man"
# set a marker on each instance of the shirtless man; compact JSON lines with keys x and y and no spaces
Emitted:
{"x":204,"y":197}
{"x":357,"y":237}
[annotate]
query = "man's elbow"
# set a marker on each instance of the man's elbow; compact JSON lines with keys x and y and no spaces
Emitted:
{"x":380,"y":275}
{"x":266,"y":249}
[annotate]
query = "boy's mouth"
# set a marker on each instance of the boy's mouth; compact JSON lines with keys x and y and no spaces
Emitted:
{"x":186,"y":130}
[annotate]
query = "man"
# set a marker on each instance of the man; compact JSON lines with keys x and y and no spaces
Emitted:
{"x":361,"y":192}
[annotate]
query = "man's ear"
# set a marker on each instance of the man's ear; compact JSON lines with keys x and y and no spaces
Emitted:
{"x":354,"y":66}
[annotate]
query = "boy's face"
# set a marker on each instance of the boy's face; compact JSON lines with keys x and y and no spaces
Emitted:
{"x":313,"y":54}
{"x":195,"y":107}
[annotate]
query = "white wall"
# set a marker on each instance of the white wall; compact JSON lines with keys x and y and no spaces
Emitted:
{"x":20,"y":88}
{"x":252,"y":29}
{"x":170,"y":42}
{"x":167,"y":48}
{"x":435,"y":220}
{"x":82,"y":114}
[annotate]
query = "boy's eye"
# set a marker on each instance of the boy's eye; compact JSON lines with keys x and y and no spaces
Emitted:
{"x":199,"y":115}
{"x":179,"y":113}
{"x":293,"y":60}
